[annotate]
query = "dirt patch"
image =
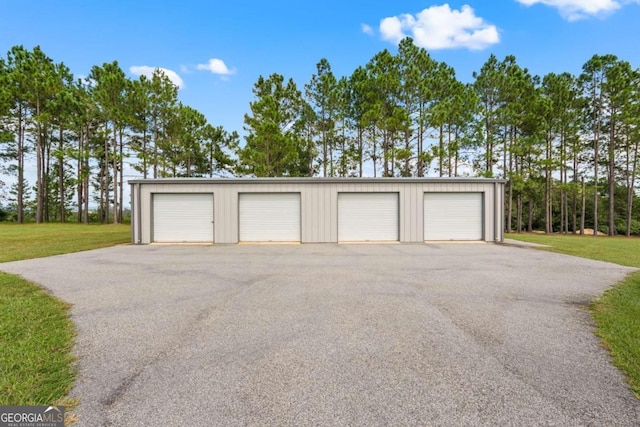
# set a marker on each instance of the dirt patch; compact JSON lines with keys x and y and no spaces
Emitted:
{"x":589,"y":232}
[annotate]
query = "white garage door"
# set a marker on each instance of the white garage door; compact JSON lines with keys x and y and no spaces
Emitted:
{"x":270,"y":217}
{"x":183,"y":217}
{"x":453,"y":216}
{"x":366,"y":217}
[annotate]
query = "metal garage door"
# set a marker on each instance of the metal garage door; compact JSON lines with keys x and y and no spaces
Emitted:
{"x":453,"y":216}
{"x":270,"y":217}
{"x":366,"y":217}
{"x":183,"y":217}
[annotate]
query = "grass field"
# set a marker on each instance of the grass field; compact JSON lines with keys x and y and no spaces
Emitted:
{"x":617,"y":312}
{"x":36,"y":334}
{"x":40,"y":240}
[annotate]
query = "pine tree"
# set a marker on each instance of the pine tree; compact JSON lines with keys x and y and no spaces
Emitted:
{"x":109,"y":94}
{"x":321,"y":92}
{"x":274,"y":142}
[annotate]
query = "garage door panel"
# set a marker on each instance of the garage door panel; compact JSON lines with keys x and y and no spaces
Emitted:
{"x":453,"y":216}
{"x":182,"y":218}
{"x":367,"y":217}
{"x":270,"y":217}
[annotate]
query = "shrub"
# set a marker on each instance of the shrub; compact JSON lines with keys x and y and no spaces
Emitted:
{"x":621,"y":227}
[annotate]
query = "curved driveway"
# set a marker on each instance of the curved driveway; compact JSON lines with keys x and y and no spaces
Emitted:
{"x":452,"y":334}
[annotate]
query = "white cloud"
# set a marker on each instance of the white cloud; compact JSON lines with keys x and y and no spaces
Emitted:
{"x":366,"y":29}
{"x":572,"y":10}
{"x":145,"y":70}
{"x":391,"y":28}
{"x":439,"y":27}
{"x":216,"y":66}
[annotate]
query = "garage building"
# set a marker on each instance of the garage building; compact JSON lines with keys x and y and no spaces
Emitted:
{"x":316,"y":210}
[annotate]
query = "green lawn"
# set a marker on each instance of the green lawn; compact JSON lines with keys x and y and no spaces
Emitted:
{"x":617,"y":312}
{"x":40,"y":240}
{"x":36,"y":334}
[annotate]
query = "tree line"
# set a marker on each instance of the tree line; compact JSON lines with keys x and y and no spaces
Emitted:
{"x":566,"y":144}
{"x":78,"y":133}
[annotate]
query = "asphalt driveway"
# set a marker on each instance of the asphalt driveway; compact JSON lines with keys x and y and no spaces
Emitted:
{"x":452,"y":334}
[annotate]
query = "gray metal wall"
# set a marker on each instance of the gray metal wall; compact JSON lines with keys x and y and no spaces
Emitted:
{"x":319,"y":199}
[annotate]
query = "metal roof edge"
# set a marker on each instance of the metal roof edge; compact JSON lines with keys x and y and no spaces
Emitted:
{"x":305,"y":180}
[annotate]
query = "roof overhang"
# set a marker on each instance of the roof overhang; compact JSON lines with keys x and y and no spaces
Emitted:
{"x":316,"y":180}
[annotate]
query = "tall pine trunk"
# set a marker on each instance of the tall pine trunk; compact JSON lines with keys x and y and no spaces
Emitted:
{"x":20,"y":154}
{"x":584,"y":208}
{"x":61,"y":173}
{"x":114,"y":162}
{"x":548,"y":207}
{"x":449,"y":152}
{"x":563,"y":194}
{"x":47,"y":175}
{"x":612,"y":175}
{"x":407,"y":146}
{"x":145,"y":166}
{"x":510,"y":178}
{"x":519,"y":213}
{"x":39,"y":166}
{"x":105,"y":177}
{"x":596,"y":149}
{"x":510,"y":208}
{"x":374,"y":154}
{"x":121,"y":173}
{"x":631,"y":179}
{"x":360,"y":151}
{"x":385,"y":153}
{"x":440,"y":149}
{"x":155,"y":147}
{"x":574,"y":196}
{"x":86,"y":176}
{"x":79,"y":174}
{"x":85,"y":211}
{"x":420,"y":171}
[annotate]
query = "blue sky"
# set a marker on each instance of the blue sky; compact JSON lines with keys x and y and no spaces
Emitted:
{"x":217,"y":50}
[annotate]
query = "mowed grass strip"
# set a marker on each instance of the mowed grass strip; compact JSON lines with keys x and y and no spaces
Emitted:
{"x":40,"y":240}
{"x":618,"y":250}
{"x":617,"y":311}
{"x":36,"y":334}
{"x":36,"y":339}
{"x":617,"y":315}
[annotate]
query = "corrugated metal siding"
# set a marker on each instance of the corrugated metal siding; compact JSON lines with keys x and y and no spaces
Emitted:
{"x":319,"y":204}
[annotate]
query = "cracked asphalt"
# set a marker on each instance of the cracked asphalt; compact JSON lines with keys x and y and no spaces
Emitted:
{"x":437,"y":334}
